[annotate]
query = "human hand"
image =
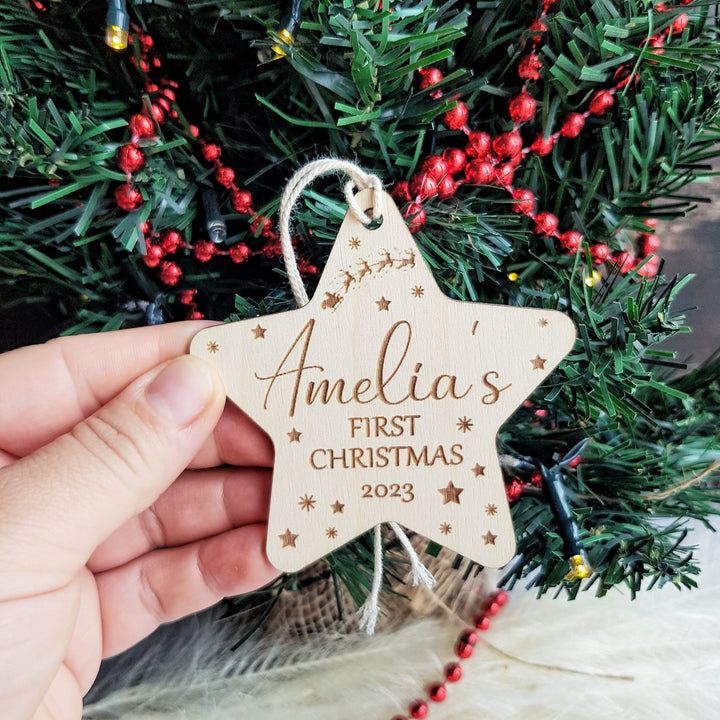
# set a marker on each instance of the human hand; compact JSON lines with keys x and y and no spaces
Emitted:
{"x":104,"y":533}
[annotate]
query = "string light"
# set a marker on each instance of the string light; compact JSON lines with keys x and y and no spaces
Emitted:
{"x":593,"y":279}
{"x":117,"y":24}
{"x":512,"y":276}
{"x":288,"y":25}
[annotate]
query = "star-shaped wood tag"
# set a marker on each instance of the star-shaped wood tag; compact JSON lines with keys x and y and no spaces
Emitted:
{"x":383,"y":398}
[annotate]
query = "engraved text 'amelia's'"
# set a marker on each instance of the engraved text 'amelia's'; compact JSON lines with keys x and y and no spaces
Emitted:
{"x":390,"y":386}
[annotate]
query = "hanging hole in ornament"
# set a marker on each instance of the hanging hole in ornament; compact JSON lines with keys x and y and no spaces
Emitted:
{"x":375,"y":223}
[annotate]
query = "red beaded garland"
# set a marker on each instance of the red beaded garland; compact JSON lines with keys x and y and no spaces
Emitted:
{"x":456,"y":118}
{"x":507,"y":144}
{"x":504,"y":174}
{"x":545,"y":224}
{"x":469,"y":636}
{"x":480,"y":172}
{"x":211,"y":151}
{"x":514,"y":490}
{"x":478,"y":144}
{"x":463,"y":649}
{"x":153,"y":255}
{"x":130,"y":158}
{"x":453,"y":672}
{"x":529,"y":66}
{"x":263,"y":225}
{"x":599,"y":253}
{"x":437,"y":692}
{"x":680,"y":24}
{"x":170,"y":273}
{"x":569,"y":241}
{"x":187,"y":297}
{"x":429,"y":76}
{"x":128,"y":198}
{"x":482,"y":622}
{"x":401,"y":192}
{"x":141,"y":125}
{"x":423,"y":187}
{"x":446,"y":188}
{"x":524,"y":201}
{"x":417,"y":216}
{"x":418,"y":709}
{"x":601,"y":102}
{"x":225,"y":176}
{"x":158,"y":113}
{"x":434,"y":166}
{"x":204,"y":250}
{"x":542,"y":145}
{"x":239,"y":252}
{"x":648,"y":243}
{"x":171,"y":240}
{"x":194,"y":315}
{"x":241,"y":201}
{"x":572,"y":125}
{"x":522,"y":107}
{"x":501,"y":596}
{"x":538,"y":27}
{"x":455,"y":160}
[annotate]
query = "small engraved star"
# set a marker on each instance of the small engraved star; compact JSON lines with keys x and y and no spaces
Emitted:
{"x":331,"y":532}
{"x":491,"y":509}
{"x":307,"y":502}
{"x":542,"y":322}
{"x":383,"y":304}
{"x":450,"y":493}
{"x":446,"y":528}
{"x":478,"y":470}
{"x":288,"y":539}
{"x":294,"y":435}
{"x":418,"y":291}
{"x":258,"y":332}
{"x":212,"y":347}
{"x":464,"y":424}
{"x":337,"y":507}
{"x":538,"y":363}
{"x":354,"y":243}
{"x":489,"y":538}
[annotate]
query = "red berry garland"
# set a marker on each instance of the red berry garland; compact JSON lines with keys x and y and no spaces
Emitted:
{"x":130,"y":159}
{"x":493,"y":161}
{"x":438,"y":691}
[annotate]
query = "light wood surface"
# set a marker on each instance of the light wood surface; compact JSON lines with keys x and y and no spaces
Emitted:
{"x":383,"y":398}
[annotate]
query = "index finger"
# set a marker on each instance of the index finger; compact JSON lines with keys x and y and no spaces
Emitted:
{"x":45,"y":390}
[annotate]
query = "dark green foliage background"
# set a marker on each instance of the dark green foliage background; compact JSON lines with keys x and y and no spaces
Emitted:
{"x":348,"y":88}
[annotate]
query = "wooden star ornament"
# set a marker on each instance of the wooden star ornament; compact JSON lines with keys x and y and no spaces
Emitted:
{"x":383,"y":398}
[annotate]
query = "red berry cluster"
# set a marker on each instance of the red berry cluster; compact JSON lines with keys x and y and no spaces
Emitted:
{"x":131,"y":158}
{"x":494,"y":161}
{"x":453,"y":672}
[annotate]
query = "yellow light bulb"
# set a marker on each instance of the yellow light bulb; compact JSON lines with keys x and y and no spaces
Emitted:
{"x":579,"y":568}
{"x":116,"y":37}
{"x":512,"y":276}
{"x":286,"y":36}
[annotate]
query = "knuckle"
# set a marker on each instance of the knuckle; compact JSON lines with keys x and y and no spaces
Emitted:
{"x":151,"y":599}
{"x":119,"y":450}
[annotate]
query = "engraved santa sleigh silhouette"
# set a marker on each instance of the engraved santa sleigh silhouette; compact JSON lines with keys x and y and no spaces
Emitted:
{"x":383,"y":398}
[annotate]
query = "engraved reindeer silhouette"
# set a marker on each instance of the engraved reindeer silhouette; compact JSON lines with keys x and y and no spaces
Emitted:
{"x":348,"y":280}
{"x":385,"y":261}
{"x":365,"y":269}
{"x":408,"y":261}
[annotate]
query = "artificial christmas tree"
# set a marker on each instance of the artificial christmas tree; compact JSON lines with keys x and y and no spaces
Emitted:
{"x":532,"y":150}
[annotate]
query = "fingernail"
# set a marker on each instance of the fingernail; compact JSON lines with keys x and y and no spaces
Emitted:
{"x":181,"y":391}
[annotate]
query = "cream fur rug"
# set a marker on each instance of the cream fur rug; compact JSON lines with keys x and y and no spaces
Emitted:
{"x":656,"y":657}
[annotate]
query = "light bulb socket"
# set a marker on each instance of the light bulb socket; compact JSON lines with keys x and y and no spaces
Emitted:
{"x":117,"y":25}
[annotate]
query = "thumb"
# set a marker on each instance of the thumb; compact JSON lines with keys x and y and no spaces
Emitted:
{"x":59,"y":503}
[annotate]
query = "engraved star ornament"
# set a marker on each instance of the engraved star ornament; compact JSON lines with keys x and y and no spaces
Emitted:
{"x":383,"y":398}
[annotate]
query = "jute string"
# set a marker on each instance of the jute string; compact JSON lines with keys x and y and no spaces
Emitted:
{"x":359,"y":180}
